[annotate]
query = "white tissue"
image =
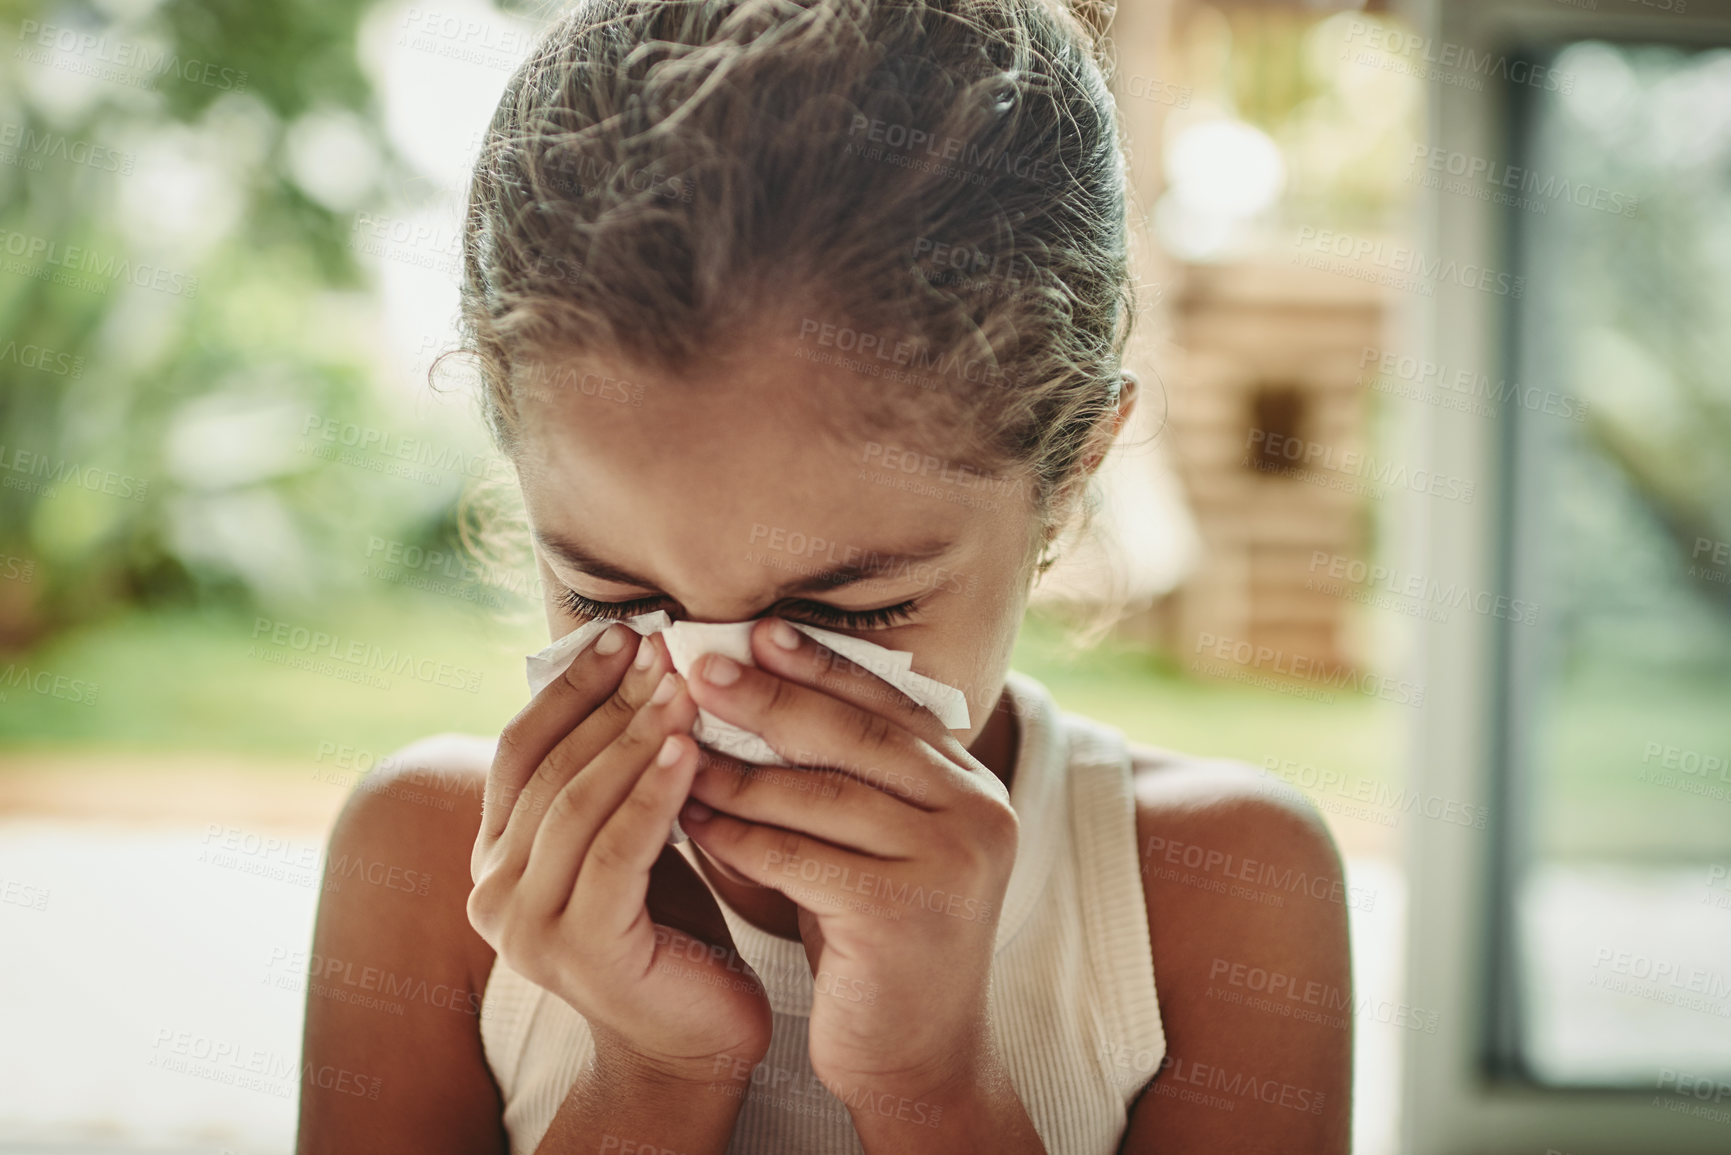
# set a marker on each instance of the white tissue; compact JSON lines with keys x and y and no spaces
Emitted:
{"x":686,"y":641}
{"x":549,"y":663}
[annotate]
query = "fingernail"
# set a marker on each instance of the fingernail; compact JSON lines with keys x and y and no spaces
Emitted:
{"x":695,"y":811}
{"x":645,"y":653}
{"x":664,"y":689}
{"x":611,"y":641}
{"x":720,"y":670}
{"x":784,"y":636}
{"x":669,"y":751}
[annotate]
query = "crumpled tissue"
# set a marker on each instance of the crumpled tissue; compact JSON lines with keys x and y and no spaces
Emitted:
{"x":686,"y":641}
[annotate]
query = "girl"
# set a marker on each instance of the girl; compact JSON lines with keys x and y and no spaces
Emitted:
{"x":730,"y":266}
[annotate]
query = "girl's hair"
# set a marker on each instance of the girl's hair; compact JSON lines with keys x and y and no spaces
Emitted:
{"x":930,"y":192}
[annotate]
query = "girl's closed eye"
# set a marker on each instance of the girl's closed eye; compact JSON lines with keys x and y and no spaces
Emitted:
{"x":821,"y":614}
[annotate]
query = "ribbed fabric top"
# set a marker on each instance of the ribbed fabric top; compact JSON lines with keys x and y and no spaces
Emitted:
{"x":1072,"y":998}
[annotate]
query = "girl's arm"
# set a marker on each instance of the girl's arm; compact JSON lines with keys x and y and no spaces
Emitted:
{"x":418,"y":1081}
{"x":554,"y":858}
{"x":391,"y":1058}
{"x":1247,"y":913}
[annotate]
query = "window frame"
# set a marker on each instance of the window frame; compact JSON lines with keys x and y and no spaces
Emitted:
{"x":1463,"y":1092}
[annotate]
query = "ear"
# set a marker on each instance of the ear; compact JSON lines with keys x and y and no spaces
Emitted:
{"x":1128,"y":391}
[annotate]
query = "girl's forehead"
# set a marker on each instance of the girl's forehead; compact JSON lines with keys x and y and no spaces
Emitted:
{"x":763,"y":412}
{"x":718,"y":495}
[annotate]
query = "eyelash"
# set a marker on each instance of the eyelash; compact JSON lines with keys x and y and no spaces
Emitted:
{"x":580,"y":606}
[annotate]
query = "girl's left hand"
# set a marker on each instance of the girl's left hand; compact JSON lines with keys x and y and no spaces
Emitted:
{"x":897,"y":846}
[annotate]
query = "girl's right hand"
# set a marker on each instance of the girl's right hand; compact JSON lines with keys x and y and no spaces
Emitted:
{"x":576,"y":888}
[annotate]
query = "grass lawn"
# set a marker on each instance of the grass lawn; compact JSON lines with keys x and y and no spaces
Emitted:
{"x":185,"y":682}
{"x":201,"y":682}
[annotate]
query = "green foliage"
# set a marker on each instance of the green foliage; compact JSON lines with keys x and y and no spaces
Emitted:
{"x":162,"y":273}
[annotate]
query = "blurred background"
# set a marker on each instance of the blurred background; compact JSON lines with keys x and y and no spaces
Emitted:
{"x":1438,"y":304}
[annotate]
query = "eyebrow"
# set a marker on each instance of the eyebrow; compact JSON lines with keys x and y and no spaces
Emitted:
{"x":873,"y":564}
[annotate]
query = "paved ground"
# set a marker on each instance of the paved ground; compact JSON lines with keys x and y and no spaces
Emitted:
{"x":156,"y":933}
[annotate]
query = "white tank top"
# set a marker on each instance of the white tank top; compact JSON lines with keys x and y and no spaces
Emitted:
{"x":1072,"y":995}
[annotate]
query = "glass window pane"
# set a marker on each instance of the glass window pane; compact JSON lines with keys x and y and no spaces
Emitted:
{"x":1617,"y":696}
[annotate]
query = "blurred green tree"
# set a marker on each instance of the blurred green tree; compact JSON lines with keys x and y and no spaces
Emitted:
{"x":178,"y":296}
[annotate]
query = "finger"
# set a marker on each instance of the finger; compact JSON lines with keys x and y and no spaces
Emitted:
{"x":809,"y":727}
{"x":778,"y":647}
{"x":609,"y":898}
{"x":549,"y":716}
{"x":564,"y":839}
{"x":835,"y":807}
{"x":813,"y":874}
{"x":580,"y":746}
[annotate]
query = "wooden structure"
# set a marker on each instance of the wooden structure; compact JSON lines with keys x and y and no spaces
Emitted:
{"x":1268,"y":356}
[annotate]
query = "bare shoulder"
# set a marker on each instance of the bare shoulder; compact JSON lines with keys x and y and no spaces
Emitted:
{"x":1229,"y":805}
{"x":1229,"y":850}
{"x":396,"y":974}
{"x":420,"y":809}
{"x":1247,"y":913}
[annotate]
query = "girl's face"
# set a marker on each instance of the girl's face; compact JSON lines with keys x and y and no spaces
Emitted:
{"x":735,"y":497}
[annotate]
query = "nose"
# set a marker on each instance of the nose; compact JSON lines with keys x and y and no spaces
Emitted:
{"x":714,"y":610}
